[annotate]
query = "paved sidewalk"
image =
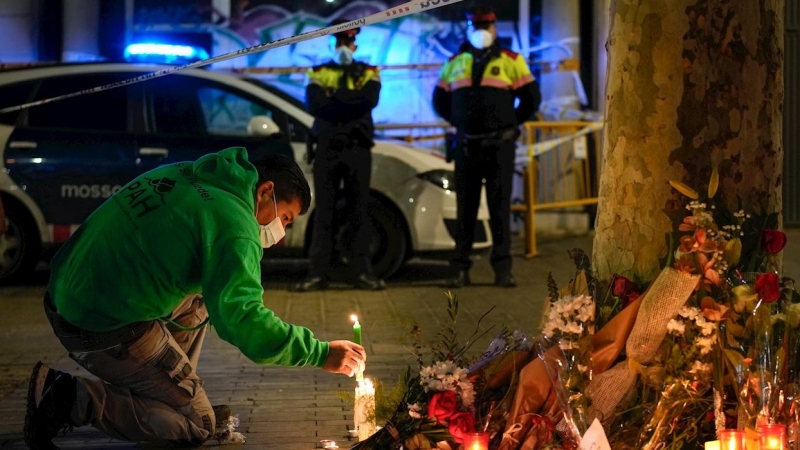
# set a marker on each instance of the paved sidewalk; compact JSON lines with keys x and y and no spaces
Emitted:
{"x":294,"y":408}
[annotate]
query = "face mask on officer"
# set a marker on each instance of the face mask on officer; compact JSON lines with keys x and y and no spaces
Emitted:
{"x":480,"y":38}
{"x":271,"y":233}
{"x":343,"y":55}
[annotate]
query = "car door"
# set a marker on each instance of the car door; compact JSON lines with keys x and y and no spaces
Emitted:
{"x":188,"y":117}
{"x":71,"y":155}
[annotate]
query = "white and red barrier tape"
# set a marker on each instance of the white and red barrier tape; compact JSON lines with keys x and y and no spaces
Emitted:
{"x":405,"y":9}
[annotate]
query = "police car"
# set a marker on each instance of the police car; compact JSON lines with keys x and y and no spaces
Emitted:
{"x":59,"y":161}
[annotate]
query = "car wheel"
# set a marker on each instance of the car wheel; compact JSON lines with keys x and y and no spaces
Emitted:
{"x":19,"y":246}
{"x":388,"y":240}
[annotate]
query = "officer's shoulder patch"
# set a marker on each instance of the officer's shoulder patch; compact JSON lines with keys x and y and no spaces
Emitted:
{"x":495,"y":70}
{"x":509,"y":53}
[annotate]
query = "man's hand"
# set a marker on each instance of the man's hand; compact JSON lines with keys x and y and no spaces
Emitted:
{"x":345,"y":357}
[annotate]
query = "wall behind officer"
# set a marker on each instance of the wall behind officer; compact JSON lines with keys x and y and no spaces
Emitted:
{"x":476,"y":93}
{"x":341,"y":96}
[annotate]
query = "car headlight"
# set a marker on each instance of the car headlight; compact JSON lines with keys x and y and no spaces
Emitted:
{"x":442,"y":178}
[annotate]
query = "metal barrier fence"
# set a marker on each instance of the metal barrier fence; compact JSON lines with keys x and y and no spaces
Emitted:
{"x":560,"y":162}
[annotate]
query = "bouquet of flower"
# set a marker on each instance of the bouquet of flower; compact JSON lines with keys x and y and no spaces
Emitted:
{"x":442,"y":402}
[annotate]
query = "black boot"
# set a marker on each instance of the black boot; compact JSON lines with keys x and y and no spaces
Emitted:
{"x":369,"y":282}
{"x":505,"y":280}
{"x":51,"y":396}
{"x":310,"y":284}
{"x":460,"y":279}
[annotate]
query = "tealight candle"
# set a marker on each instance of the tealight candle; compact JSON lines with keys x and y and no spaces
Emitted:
{"x":773,"y":436}
{"x":731,"y":440}
{"x":476,"y":441}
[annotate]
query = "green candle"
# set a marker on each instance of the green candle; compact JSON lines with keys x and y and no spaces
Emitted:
{"x":356,"y":329}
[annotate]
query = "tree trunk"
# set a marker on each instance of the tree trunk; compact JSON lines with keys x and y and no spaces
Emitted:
{"x":691,"y":83}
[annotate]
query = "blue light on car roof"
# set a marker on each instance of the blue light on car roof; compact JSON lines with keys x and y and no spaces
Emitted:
{"x":152,"y":52}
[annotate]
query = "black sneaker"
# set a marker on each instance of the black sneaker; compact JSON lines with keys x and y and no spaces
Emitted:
{"x":51,"y":395}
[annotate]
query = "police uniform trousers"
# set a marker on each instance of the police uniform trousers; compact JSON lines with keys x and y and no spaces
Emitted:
{"x":148,"y":388}
{"x":494,"y":162}
{"x":333,"y":167}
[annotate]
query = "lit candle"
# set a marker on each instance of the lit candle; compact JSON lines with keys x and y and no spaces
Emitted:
{"x":364,"y":413}
{"x":712,"y":445}
{"x":356,"y":329}
{"x":731,"y":440}
{"x":476,"y":441}
{"x":773,"y":436}
{"x":357,"y":340}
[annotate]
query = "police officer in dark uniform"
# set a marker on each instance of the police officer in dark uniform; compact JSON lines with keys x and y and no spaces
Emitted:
{"x":341,"y":96}
{"x":476,"y":93}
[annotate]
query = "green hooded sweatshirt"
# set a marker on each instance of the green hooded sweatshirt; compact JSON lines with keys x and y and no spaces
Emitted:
{"x":180,"y":229}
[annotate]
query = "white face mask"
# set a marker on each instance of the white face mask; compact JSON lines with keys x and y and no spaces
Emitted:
{"x":272,"y":232}
{"x":343,"y":55}
{"x":480,"y":39}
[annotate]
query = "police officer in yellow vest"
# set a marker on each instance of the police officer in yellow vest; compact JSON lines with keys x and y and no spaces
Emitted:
{"x":341,"y":96}
{"x":476,"y":93}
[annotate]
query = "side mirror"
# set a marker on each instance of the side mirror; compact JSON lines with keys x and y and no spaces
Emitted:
{"x":263,"y":126}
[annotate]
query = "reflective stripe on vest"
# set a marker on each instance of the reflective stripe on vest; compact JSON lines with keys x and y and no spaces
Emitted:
{"x":508,"y":71}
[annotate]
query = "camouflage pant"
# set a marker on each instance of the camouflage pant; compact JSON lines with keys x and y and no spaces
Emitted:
{"x":148,"y":390}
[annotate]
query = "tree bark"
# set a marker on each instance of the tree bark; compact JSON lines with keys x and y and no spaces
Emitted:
{"x":691,"y":83}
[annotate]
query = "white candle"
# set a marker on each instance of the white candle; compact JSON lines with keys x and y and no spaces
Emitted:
{"x":364,"y":413}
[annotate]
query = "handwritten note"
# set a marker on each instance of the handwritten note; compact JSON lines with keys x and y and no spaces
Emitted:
{"x":595,"y":438}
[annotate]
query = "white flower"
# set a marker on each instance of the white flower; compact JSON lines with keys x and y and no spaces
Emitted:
{"x":688,"y":312}
{"x":705,"y":344}
{"x":676,"y":327}
{"x":700,"y":367}
{"x":467,"y":393}
{"x":573,"y":328}
{"x":414,"y":410}
{"x":586,"y":314}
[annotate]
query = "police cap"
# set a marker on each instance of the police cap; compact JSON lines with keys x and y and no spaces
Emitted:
{"x":480,"y":16}
{"x":346,"y":35}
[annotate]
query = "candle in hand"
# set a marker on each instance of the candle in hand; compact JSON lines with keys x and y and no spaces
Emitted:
{"x":356,"y":329}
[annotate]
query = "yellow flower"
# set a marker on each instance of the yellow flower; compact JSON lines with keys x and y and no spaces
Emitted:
{"x":744,"y":296}
{"x":733,"y":251}
{"x":684,"y":189}
{"x":713,"y":183}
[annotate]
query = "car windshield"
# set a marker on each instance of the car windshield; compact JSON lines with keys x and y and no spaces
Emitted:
{"x":277,"y":92}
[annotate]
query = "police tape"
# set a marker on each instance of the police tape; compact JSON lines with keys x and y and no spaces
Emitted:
{"x":527,"y":151}
{"x":566,"y":65}
{"x":405,"y":9}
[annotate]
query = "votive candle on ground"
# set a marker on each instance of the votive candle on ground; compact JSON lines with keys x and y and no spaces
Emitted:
{"x":712,"y":445}
{"x":773,"y":436}
{"x":364,"y":413}
{"x":476,"y":441}
{"x":731,"y":440}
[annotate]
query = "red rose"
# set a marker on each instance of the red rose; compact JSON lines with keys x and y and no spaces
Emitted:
{"x":460,"y":425}
{"x":768,"y":287}
{"x":442,"y":405}
{"x":624,"y":289}
{"x":773,"y":241}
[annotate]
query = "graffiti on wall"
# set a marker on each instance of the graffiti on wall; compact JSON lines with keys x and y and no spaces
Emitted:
{"x":416,"y":39}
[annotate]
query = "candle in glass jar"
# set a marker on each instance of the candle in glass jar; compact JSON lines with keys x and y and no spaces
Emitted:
{"x":476,"y":441}
{"x":773,"y":436}
{"x":364,"y":413}
{"x":731,"y":440}
{"x":711,"y":445}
